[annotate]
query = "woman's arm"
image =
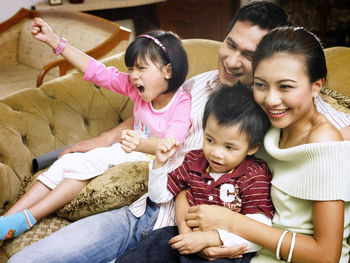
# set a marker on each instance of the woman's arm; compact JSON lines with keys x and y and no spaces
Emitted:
{"x":43,"y":32}
{"x":324,"y":246}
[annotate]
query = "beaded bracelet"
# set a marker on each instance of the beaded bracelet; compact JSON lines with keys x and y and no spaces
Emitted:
{"x":61,"y":46}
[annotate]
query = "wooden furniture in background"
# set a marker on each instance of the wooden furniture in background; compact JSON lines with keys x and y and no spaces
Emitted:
{"x":25,"y":55}
{"x":197,"y":18}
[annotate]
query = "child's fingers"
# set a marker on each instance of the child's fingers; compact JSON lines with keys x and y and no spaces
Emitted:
{"x":175,"y":239}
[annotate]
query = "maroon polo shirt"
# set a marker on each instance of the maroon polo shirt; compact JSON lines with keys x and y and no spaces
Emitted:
{"x":245,"y":189}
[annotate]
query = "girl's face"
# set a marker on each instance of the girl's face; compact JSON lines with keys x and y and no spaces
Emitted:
{"x":150,"y":79}
{"x":283,"y":90}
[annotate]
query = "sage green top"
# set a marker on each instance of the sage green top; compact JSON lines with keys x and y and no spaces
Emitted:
{"x":302,"y":174}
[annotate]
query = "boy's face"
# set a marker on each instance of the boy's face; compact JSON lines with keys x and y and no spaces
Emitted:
{"x":225,"y":147}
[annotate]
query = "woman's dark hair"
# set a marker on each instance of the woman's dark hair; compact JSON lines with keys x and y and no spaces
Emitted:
{"x":174,"y":54}
{"x":266,"y":15}
{"x":235,"y":104}
{"x":294,"y":41}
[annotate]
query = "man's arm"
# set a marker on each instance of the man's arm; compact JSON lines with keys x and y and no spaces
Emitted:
{"x":103,"y":140}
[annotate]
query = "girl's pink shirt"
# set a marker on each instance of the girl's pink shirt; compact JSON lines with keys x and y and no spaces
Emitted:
{"x":171,"y":121}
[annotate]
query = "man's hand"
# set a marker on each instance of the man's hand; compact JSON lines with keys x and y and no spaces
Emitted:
{"x":130,"y":140}
{"x":85,"y":146}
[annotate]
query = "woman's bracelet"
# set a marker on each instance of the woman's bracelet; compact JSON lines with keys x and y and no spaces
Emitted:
{"x":291,"y":248}
{"x":279,"y":244}
{"x":61,"y":46}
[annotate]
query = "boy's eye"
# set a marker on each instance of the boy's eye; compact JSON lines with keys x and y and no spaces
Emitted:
{"x":209,"y":140}
{"x":230,"y":148}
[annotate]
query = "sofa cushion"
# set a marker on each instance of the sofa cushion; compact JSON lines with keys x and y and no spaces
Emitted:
{"x":119,"y":186}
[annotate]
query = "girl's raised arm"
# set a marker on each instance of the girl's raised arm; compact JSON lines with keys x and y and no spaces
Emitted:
{"x":43,"y":32}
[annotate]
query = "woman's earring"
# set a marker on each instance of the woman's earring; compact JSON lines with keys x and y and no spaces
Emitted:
{"x":167,"y":77}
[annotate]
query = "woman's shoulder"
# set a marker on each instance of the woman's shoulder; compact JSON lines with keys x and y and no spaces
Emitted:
{"x":324,"y":131}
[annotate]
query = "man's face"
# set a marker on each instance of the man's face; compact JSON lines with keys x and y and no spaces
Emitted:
{"x":236,"y":53}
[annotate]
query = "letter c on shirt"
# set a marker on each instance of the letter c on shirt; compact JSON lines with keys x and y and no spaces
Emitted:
{"x":227,"y":193}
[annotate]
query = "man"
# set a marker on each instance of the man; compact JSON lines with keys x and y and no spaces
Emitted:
{"x":103,"y":237}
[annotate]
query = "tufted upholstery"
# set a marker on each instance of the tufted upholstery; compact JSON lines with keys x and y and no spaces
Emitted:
{"x":25,"y":57}
{"x":67,"y":110}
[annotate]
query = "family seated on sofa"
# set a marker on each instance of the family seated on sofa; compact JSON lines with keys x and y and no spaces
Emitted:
{"x":287,"y":71}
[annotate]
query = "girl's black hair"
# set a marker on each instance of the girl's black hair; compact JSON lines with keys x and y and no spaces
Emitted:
{"x":235,"y":104}
{"x":294,"y":41}
{"x":175,"y":54}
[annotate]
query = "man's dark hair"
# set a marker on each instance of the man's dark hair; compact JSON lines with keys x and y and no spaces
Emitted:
{"x":235,"y":104}
{"x":266,"y":15}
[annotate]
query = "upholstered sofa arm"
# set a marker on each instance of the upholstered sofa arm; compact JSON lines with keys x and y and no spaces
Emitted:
{"x":59,"y":113}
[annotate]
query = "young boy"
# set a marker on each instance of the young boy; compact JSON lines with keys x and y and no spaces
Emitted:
{"x":223,"y":173}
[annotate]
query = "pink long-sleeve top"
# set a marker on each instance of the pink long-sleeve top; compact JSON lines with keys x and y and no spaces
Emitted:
{"x":171,"y":121}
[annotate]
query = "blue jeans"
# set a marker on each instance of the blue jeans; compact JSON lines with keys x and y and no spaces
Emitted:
{"x":98,"y":238}
{"x":156,"y":249}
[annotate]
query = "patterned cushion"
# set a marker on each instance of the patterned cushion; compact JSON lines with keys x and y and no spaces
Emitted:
{"x":119,"y":186}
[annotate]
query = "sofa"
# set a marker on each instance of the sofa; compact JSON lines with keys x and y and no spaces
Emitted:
{"x":66,"y":110}
{"x":28,"y":63}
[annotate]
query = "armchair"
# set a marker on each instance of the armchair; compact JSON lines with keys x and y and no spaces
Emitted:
{"x":27,"y":62}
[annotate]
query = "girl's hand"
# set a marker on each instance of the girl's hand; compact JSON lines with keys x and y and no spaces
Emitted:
{"x":212,"y":253}
{"x":130,"y":140}
{"x":208,"y":217}
{"x":43,"y":32}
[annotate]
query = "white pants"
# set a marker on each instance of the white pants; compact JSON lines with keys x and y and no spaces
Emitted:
{"x":82,"y":166}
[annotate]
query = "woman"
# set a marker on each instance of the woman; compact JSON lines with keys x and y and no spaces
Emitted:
{"x":305,"y":153}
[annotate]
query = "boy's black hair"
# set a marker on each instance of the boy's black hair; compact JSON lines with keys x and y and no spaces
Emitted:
{"x":264,"y":14}
{"x":235,"y":104}
{"x":175,"y":54}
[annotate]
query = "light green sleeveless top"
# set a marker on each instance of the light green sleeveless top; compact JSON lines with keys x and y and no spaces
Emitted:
{"x":302,"y":174}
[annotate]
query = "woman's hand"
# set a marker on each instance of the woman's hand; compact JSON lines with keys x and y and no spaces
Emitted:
{"x":43,"y":32}
{"x":208,"y":217}
{"x":212,"y":253}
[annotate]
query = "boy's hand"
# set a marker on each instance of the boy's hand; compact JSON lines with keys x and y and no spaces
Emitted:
{"x":43,"y":32}
{"x":193,"y":242}
{"x":166,"y":148}
{"x":130,"y":140}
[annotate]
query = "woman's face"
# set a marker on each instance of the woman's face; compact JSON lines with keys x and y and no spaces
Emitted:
{"x":283,"y":89}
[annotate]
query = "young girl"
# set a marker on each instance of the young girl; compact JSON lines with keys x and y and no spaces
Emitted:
{"x":158,"y":66}
{"x":307,"y":156}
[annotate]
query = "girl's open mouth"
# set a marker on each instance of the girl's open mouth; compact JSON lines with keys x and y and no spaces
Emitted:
{"x":140,"y":89}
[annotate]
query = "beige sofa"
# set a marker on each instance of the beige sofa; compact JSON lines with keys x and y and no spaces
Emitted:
{"x":67,"y":110}
{"x":28,"y":62}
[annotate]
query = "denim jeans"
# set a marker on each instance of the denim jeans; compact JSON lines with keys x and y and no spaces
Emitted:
{"x":98,"y":238}
{"x":155,"y":249}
